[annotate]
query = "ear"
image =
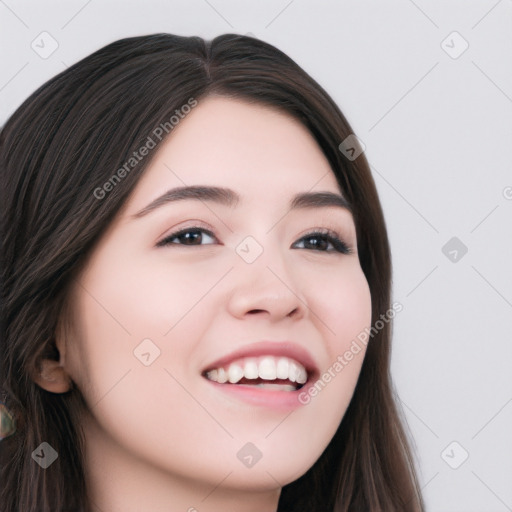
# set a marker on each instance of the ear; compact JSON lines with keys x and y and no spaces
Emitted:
{"x":52,"y":375}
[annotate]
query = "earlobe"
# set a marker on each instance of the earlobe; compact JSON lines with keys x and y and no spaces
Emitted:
{"x":53,"y":377}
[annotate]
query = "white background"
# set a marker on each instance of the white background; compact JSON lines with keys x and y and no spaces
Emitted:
{"x":438,"y":134}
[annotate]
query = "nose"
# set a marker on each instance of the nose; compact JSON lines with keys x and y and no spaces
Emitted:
{"x":266,"y":288}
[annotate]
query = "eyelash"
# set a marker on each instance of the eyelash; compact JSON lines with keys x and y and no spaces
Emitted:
{"x":325,"y":234}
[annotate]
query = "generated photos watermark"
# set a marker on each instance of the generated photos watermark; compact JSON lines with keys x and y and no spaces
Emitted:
{"x":157,"y":135}
{"x":344,"y":359}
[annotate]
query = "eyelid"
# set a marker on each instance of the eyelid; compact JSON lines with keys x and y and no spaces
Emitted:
{"x":338,"y":240}
{"x":188,"y":226}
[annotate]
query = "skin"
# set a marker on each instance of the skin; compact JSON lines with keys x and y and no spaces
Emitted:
{"x":161,"y":437}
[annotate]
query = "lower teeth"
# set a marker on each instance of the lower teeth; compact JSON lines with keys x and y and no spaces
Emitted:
{"x":277,"y":387}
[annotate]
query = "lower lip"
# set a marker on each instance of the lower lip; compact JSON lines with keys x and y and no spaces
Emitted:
{"x":269,"y":398}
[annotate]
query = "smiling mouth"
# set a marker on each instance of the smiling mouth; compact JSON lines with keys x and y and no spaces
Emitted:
{"x":265,"y":372}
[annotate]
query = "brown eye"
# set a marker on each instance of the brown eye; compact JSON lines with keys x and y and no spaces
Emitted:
{"x":189,"y":237}
{"x":320,"y":241}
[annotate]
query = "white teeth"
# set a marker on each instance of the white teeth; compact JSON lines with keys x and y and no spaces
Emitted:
{"x":212,"y":375}
{"x":282,"y":368}
{"x":251,"y":369}
{"x":278,"y":387}
{"x":301,"y":375}
{"x":302,"y":378}
{"x":222,"y":376}
{"x":235,"y":373}
{"x":292,"y":372}
{"x":267,"y":368}
{"x":296,"y":373}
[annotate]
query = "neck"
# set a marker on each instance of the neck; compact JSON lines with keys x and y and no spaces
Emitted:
{"x":120,"y":481}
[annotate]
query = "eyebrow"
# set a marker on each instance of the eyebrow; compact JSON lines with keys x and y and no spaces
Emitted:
{"x":229,"y":198}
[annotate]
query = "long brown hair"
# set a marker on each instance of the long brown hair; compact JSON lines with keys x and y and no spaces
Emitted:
{"x":66,"y":140}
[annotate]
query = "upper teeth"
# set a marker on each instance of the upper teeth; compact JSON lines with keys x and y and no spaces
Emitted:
{"x":266,"y":368}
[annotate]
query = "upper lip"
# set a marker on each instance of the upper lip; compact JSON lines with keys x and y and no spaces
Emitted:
{"x":288,"y":349}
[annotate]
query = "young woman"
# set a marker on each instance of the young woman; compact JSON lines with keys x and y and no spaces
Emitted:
{"x":195,"y":292}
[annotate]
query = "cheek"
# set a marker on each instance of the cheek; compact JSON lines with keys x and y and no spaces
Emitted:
{"x":99,"y":349}
{"x":152,"y":296}
{"x":135,"y":334}
{"x":342,"y":306}
{"x":140,"y":394}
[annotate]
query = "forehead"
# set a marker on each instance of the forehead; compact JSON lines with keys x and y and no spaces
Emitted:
{"x":254,"y":149}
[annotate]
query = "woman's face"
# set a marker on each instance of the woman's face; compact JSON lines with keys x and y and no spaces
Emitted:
{"x":245,"y":291}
